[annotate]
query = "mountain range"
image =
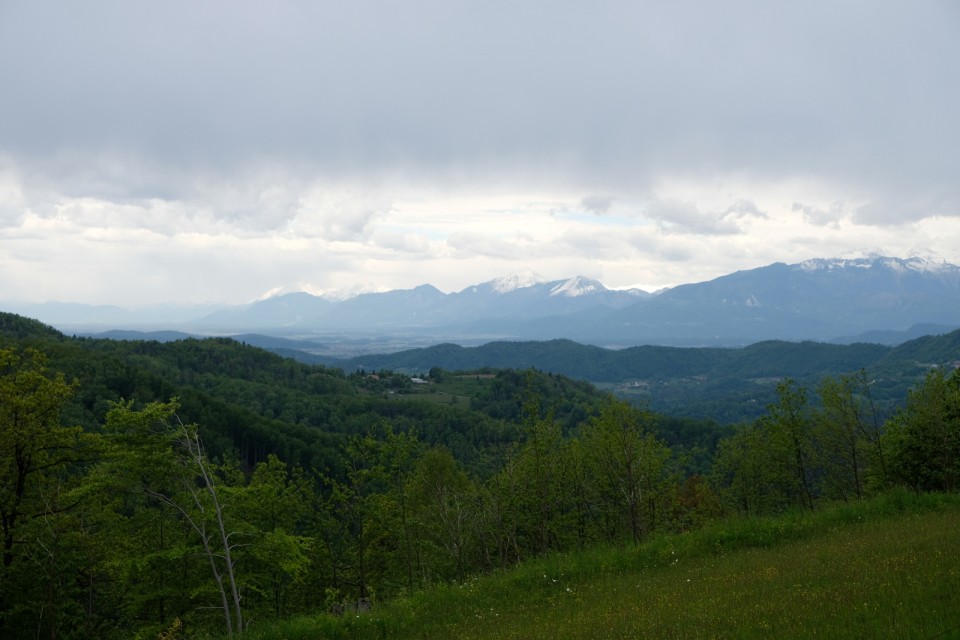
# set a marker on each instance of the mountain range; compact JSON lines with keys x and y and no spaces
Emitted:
{"x":880,"y":299}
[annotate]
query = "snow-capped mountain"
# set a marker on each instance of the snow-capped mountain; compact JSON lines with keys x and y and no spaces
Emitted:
{"x":904,"y":265}
{"x":818,"y":299}
{"x":578,"y":286}
{"x":514,"y":281}
{"x":496,"y":308}
{"x":813,"y":300}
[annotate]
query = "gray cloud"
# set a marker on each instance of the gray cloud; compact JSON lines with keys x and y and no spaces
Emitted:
{"x":254,"y":124}
{"x":897,"y":210}
{"x":686,"y":217}
{"x":819,"y":216}
{"x":597,"y":205}
{"x":745,"y":209}
{"x":613,"y":94}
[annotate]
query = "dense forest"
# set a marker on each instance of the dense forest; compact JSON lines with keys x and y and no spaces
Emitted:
{"x":203,"y":486}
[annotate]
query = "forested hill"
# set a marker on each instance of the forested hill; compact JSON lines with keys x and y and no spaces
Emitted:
{"x":795,"y":359}
{"x":257,"y":403}
{"x":726,"y":385}
{"x":215,"y":378}
{"x":769,"y":358}
{"x":251,"y":402}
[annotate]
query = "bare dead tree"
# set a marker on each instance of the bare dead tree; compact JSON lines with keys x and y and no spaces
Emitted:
{"x":198,"y":481}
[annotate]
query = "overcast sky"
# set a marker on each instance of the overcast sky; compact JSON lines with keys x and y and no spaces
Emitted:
{"x":155,"y":151}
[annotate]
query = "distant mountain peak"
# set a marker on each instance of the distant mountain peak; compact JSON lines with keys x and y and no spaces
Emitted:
{"x":577,"y":286}
{"x":339,"y":295}
{"x":272,"y":293}
{"x":516,"y":280}
{"x":332,"y":295}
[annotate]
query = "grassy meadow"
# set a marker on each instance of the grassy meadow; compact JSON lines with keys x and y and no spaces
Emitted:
{"x":886,"y":568}
{"x":452,"y":390}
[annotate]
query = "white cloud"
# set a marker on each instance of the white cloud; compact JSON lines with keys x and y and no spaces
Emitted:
{"x":347,"y":217}
{"x":413,"y":245}
{"x":12,"y":204}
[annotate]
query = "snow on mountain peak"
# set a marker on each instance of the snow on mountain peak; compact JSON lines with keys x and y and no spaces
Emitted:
{"x":516,"y":280}
{"x":339,"y":295}
{"x":334,"y":295}
{"x":576,"y":286}
{"x":829,"y":264}
{"x":928,"y":265}
{"x":903,"y":265}
{"x":272,"y":293}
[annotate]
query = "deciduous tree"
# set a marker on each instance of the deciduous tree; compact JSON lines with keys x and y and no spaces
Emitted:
{"x":627,"y":467}
{"x":38,"y":467}
{"x":923,"y":439}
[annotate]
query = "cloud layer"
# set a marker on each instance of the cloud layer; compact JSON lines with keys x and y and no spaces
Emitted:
{"x":200,"y":151}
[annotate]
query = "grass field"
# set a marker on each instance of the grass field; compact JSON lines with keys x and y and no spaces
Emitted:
{"x":454,"y":390}
{"x":888,"y":568}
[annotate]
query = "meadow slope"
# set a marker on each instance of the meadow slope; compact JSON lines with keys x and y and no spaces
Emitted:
{"x":888,"y":568}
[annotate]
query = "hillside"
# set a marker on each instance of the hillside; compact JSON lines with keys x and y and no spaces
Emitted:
{"x":727,"y":385}
{"x":886,"y":569}
{"x":596,"y":364}
{"x":258,"y":403}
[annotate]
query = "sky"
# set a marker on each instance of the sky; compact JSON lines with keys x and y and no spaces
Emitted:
{"x":180,"y":151}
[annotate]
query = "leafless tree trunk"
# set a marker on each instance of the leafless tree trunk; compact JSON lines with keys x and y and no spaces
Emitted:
{"x":216,"y":545}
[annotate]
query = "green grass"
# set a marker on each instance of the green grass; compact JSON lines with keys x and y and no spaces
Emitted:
{"x":888,"y":568}
{"x":437,"y":397}
{"x":453,"y":390}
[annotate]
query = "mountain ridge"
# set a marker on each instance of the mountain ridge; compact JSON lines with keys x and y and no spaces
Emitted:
{"x":818,"y":299}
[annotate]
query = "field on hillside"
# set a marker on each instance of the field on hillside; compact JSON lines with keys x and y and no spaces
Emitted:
{"x":885,"y":569}
{"x":453,"y":389}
